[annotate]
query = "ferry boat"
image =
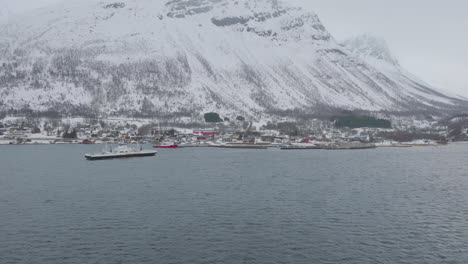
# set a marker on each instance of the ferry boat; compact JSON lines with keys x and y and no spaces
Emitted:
{"x":120,"y":152}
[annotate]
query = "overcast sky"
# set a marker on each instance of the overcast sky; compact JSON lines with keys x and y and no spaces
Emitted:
{"x":429,"y":37}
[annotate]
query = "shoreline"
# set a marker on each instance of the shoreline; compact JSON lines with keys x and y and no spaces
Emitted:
{"x":228,"y":146}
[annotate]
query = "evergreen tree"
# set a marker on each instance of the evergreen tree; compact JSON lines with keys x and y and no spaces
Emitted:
{"x":240,"y":118}
{"x":212,"y":118}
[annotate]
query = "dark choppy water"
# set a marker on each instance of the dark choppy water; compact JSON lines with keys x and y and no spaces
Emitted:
{"x":234,"y":206}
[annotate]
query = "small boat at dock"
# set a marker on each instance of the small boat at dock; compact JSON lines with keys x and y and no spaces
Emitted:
{"x":239,"y":146}
{"x":120,"y":152}
{"x":351,"y":146}
{"x":299,"y":147}
{"x":167,"y":146}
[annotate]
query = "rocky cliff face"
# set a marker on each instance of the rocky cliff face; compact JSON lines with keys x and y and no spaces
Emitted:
{"x":370,"y":47}
{"x":185,"y":57}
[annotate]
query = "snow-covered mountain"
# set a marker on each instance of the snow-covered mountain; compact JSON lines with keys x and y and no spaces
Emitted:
{"x":187,"y":57}
{"x":370,"y":47}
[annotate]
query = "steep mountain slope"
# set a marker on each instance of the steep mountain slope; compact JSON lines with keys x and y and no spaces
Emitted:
{"x":191,"y":56}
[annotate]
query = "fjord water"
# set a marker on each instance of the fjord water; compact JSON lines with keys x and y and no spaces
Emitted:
{"x":234,"y":206}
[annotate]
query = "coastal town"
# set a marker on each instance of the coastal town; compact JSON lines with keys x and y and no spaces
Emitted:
{"x":239,"y":133}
